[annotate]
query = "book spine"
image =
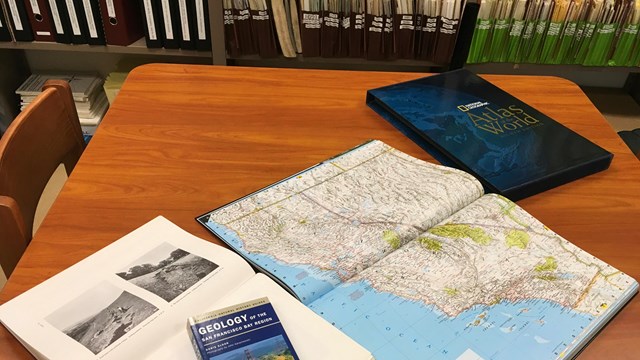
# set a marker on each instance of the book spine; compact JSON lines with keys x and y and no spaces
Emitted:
{"x":537,"y":41}
{"x":514,"y":39}
{"x":601,"y":44}
{"x":498,"y":49}
{"x":624,"y":46}
{"x":635,"y":55}
{"x":584,"y":37}
{"x":479,"y":40}
{"x":564,"y":44}
{"x":550,"y":42}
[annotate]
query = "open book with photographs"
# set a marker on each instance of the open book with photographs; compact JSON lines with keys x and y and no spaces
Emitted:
{"x":132,"y":299}
{"x":413,"y":261}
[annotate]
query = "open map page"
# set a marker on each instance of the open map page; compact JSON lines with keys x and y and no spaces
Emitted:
{"x":412,"y":261}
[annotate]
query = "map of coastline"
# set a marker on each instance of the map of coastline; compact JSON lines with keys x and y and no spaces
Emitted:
{"x":374,"y":234}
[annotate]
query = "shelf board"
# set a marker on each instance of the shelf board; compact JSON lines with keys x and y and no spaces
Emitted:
{"x":138,"y":47}
{"x":547,"y":68}
{"x":336,"y":63}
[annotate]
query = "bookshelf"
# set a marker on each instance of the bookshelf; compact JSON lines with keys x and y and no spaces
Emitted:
{"x":102,"y":58}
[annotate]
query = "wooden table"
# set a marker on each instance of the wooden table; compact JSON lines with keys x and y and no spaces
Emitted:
{"x":181,"y":140}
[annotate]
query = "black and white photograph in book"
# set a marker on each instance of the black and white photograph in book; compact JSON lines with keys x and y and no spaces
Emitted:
{"x":100,"y":316}
{"x":167,"y":271}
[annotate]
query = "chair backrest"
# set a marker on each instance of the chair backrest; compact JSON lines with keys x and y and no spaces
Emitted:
{"x":44,"y":135}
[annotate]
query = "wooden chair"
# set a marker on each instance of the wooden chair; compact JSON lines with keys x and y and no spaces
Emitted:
{"x":44,"y":135}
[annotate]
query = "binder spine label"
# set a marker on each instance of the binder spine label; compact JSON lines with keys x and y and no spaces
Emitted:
{"x":184,"y":20}
{"x":407,"y":22}
{"x":202,"y":29}
{"x":311,"y":21}
{"x":151,"y":25}
{"x":56,"y":17}
{"x":15,"y":15}
{"x":166,"y":13}
{"x":332,"y":20}
{"x":73,"y":16}
{"x":377,"y":24}
{"x":431,"y":25}
{"x":35,"y":7}
{"x":93,"y":32}
{"x":359,"y":22}
{"x":111,"y":9}
{"x":448,"y":26}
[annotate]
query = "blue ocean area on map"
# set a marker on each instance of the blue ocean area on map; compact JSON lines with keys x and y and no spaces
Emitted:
{"x":392,"y":327}
{"x":307,"y":281}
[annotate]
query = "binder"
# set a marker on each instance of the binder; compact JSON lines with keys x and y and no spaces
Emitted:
{"x":448,"y":22}
{"x":230,"y":38}
{"x":152,"y":21}
{"x":262,"y":26}
{"x":428,"y":28}
{"x":19,"y":20}
{"x":356,"y":33}
{"x":40,"y":20}
{"x":5,"y":35}
{"x":242,"y":28}
{"x":404,"y":27}
{"x":187,"y":16}
{"x":310,"y":27}
{"x":388,"y":36}
{"x":72,"y":21}
{"x":330,"y":30}
{"x":374,"y":25}
{"x":345,"y":27}
{"x":61,"y":27}
{"x":170,"y":22}
{"x":91,"y":21}
{"x":203,"y":29}
{"x":122,"y":21}
{"x":5,"y":30}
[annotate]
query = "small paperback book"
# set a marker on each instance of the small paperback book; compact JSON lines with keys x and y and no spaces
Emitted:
{"x":250,"y":330}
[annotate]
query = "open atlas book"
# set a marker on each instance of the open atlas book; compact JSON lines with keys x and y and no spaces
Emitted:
{"x":132,"y":299}
{"x":413,"y":261}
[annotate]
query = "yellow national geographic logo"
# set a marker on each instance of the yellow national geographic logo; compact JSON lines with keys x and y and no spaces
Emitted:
{"x":471,"y":106}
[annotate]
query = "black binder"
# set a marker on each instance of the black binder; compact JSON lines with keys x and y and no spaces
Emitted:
{"x":5,"y":32}
{"x":203,"y":29}
{"x":72,"y":21}
{"x":90,"y":21}
{"x":170,"y":20}
{"x":153,"y":24}
{"x":61,"y":26}
{"x":187,"y":16}
{"x":17,"y":14}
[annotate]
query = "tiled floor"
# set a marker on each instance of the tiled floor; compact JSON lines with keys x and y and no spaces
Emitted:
{"x":622,"y":112}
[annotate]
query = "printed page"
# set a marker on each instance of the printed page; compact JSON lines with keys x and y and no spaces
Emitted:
{"x":126,"y":299}
{"x":489,"y":282}
{"x":324,"y":225}
{"x":312,"y":337}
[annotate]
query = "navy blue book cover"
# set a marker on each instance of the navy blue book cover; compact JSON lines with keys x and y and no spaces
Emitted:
{"x":250,"y":330}
{"x":466,"y":122}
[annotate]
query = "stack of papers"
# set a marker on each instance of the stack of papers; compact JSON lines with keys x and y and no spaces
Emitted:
{"x":88,"y":95}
